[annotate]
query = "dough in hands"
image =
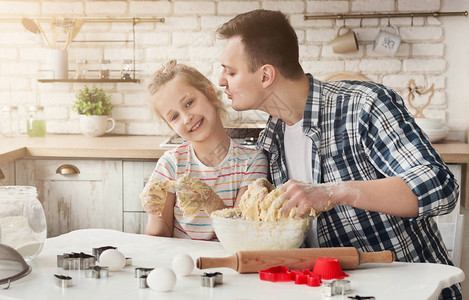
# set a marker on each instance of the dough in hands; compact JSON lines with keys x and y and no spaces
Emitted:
{"x":261,"y":202}
{"x":251,"y":203}
{"x":154,"y":194}
{"x":192,"y":194}
{"x":195,"y":195}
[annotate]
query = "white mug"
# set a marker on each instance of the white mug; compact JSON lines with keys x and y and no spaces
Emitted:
{"x":96,"y":125}
{"x":345,"y":43}
{"x":387,"y":42}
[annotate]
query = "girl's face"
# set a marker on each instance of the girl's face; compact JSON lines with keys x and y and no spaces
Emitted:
{"x":188,"y":111}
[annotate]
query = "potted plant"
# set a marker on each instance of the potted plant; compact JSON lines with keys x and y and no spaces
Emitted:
{"x":94,"y":106}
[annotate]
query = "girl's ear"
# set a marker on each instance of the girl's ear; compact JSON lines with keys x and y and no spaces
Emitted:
{"x":268,"y":75}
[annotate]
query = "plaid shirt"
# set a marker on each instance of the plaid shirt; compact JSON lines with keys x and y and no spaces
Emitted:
{"x":362,"y":131}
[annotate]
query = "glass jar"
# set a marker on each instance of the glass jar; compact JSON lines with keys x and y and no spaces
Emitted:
{"x":36,"y":123}
{"x":10,"y":122}
{"x":104,"y":73}
{"x":81,"y":70}
{"x":126,"y":71}
{"x":22,"y":220}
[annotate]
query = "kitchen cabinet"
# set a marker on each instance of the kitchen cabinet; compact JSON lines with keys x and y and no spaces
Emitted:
{"x":90,"y":199}
{"x":135,"y":176}
{"x":8,"y":170}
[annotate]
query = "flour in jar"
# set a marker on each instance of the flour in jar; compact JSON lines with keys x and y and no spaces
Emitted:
{"x":16,"y":233}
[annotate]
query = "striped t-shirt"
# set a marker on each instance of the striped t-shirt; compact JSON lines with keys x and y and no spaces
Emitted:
{"x":240,"y":167}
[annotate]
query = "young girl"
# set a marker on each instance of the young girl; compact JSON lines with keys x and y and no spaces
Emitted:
{"x":186,"y":100}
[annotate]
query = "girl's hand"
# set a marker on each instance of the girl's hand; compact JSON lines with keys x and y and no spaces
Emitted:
{"x":194,"y":195}
{"x":154,"y":194}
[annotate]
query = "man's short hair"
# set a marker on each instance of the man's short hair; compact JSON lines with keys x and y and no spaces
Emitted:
{"x":268,"y":38}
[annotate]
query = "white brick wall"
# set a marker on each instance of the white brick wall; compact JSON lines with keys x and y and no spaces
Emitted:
{"x":58,"y":8}
{"x":236,"y":7}
{"x":323,"y":7}
{"x":287,"y":7}
{"x":430,"y":5}
{"x":373,"y":5}
{"x":194,"y":8}
{"x":188,"y":35}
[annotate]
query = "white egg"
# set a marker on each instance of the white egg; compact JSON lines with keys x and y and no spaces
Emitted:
{"x":183,"y":264}
{"x":161,"y":279}
{"x":113,"y":259}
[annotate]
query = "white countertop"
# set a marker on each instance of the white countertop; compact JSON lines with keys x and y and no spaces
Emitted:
{"x":384,"y":281}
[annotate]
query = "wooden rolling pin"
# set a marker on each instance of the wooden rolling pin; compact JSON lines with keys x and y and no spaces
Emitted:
{"x":297,"y":259}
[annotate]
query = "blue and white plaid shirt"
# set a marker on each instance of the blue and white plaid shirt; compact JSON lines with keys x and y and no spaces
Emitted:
{"x":362,"y":131}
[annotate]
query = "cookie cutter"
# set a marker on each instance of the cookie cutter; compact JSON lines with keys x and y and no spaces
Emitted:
{"x":128,"y":261}
{"x":142,"y":274}
{"x":336,"y":287}
{"x":305,"y":277}
{"x":142,"y":281}
{"x":211,"y":279}
{"x":274,"y":274}
{"x":327,"y":289}
{"x":139,"y":272}
{"x":75,"y":261}
{"x":97,"y":272}
{"x":282,"y":273}
{"x":63,"y":281}
{"x":97,"y":251}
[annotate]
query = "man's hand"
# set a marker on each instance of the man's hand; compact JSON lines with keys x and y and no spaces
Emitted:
{"x":312,"y":199}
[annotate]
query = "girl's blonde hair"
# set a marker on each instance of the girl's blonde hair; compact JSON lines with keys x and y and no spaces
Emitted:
{"x":192,"y":77}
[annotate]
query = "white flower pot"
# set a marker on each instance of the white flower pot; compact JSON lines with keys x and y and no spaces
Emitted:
{"x":96,"y":125}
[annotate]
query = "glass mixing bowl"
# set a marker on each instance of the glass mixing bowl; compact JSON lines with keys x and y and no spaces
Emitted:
{"x":22,"y":220}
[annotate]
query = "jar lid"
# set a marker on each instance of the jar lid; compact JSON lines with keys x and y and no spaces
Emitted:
{"x":10,"y":108}
{"x":105,"y":61}
{"x":35,"y":107}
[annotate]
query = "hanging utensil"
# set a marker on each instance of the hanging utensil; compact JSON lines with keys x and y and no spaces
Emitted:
{"x":43,"y":34}
{"x":30,"y":25}
{"x":55,"y":29}
{"x":76,"y":28}
{"x":69,"y":38}
{"x":69,"y":35}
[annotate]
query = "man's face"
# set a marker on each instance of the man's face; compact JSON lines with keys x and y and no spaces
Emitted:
{"x":242,"y":87}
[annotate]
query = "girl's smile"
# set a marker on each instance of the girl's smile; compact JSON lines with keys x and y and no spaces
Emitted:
{"x":196,"y":126}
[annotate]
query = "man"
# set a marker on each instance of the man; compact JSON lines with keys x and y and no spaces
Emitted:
{"x":370,"y":169}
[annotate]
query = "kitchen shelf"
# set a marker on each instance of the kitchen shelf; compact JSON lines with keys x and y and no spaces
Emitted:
{"x":134,"y":21}
{"x":90,"y":80}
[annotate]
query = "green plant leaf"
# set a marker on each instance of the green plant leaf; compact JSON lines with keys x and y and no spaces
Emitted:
{"x":93,"y":101}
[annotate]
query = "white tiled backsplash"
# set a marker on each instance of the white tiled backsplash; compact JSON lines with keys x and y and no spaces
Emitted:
{"x":188,"y":35}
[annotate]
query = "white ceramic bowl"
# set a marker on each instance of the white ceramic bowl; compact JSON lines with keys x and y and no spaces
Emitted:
{"x":436,"y":135}
{"x":426,"y":123}
{"x":238,"y":234}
